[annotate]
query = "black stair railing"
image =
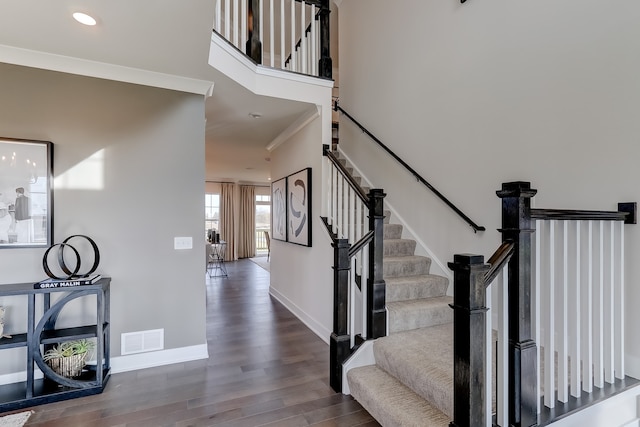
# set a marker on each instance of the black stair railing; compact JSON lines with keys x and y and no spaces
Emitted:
{"x":344,"y":341}
{"x":254,"y":44}
{"x":520,"y":225}
{"x":470,"y":280}
{"x":413,"y":172}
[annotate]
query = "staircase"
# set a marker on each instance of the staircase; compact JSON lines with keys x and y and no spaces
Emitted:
{"x":411,"y":382}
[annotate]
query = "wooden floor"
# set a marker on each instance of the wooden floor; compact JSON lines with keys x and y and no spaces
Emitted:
{"x":264,"y":368}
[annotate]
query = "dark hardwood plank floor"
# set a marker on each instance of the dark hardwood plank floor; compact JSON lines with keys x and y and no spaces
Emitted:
{"x":265,"y":368}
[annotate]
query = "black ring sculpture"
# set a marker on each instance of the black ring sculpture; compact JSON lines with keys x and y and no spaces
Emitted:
{"x":71,"y":274}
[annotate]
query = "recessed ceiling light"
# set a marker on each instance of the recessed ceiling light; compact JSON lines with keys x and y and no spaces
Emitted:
{"x":83,"y":18}
{"x":255,"y":115}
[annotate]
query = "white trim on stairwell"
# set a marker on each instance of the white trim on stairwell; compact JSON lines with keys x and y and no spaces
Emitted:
{"x":618,"y":411}
{"x":84,"y":67}
{"x":362,"y":357}
{"x":444,"y":271}
{"x":263,"y":80}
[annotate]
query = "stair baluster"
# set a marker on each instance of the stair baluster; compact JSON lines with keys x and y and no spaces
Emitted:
{"x":347,"y":201}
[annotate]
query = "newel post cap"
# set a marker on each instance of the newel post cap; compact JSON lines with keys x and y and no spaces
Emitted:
{"x":516,"y":189}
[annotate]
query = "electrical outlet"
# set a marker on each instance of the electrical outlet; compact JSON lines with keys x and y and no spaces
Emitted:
{"x":180,"y":243}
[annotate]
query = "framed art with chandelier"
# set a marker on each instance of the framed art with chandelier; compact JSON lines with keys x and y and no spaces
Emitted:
{"x":26,"y":193}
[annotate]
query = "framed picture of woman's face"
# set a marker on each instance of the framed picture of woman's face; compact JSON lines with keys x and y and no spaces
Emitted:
{"x":26,"y":193}
{"x":299,"y":207}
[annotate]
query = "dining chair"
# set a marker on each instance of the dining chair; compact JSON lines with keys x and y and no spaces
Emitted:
{"x":268,"y":239}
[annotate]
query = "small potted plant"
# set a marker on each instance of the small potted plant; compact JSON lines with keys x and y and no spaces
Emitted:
{"x":68,"y":358}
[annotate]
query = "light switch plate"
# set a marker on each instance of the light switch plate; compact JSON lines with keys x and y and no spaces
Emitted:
{"x":180,"y":243}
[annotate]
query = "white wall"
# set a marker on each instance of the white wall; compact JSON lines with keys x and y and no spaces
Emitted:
{"x":129,"y":172}
{"x":302,"y":277}
{"x":492,"y":91}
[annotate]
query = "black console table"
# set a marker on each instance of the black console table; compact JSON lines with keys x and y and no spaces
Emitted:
{"x":42,"y":334}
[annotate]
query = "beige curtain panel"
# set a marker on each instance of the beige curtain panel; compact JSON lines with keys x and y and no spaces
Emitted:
{"x":247,"y":218}
{"x":227,"y":218}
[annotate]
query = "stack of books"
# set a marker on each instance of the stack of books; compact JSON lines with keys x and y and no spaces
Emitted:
{"x":67,"y":283}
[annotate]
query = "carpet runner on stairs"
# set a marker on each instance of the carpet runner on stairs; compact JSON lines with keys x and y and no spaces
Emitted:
{"x":411,"y":383}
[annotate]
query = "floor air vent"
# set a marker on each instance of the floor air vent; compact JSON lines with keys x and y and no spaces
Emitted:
{"x":140,"y":342}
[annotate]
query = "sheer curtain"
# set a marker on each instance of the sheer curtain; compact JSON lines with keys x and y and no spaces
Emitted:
{"x":227,"y":219}
{"x":247,"y":218}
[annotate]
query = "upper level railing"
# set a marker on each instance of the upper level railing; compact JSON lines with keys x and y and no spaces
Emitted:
{"x":355,"y":223}
{"x":285,"y":34}
{"x":413,"y":172}
{"x":555,"y":319}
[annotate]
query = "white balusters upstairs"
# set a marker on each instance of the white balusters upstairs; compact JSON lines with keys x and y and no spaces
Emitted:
{"x":289,"y":31}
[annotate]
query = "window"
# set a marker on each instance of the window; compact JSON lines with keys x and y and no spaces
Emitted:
{"x":263,"y":220}
{"x":211,"y":212}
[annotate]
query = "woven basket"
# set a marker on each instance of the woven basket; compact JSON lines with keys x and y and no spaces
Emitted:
{"x":70,"y":366}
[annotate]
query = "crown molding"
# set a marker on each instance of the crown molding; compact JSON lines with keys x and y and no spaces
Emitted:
{"x":294,"y":128}
{"x":66,"y":64}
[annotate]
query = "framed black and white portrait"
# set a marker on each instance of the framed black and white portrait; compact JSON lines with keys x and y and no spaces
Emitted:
{"x":26,"y":193}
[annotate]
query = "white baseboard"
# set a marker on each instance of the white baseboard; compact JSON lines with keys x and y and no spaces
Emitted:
{"x":311,"y":323}
{"x":152,"y":359}
{"x":132,"y":362}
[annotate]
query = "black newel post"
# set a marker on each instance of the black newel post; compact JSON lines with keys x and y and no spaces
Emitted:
{"x":254,"y":44}
{"x":339,"y":347}
{"x":469,"y":340}
{"x":325,"y":66}
{"x":516,"y":226}
{"x":376,"y":304}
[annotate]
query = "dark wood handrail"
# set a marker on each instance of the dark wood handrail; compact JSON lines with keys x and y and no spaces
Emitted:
{"x":343,"y":170}
{"x":355,"y":248}
{"x":306,"y":31}
{"x":498,"y":260}
{"x":567,"y":215}
{"x":468,"y":220}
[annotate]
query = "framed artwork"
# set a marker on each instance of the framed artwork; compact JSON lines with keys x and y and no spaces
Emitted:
{"x":299,"y":207}
{"x":279,"y":209}
{"x":26,"y":193}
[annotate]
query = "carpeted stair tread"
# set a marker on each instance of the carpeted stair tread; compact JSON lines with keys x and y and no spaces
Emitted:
{"x":390,"y":402}
{"x":423,"y":361}
{"x":399,"y":247}
{"x":399,"y":266}
{"x":415,"y":287}
{"x":421,"y":313}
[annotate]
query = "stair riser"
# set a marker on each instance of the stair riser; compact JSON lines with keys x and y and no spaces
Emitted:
{"x":392,"y":231}
{"x":412,"y":266}
{"x":406,"y":320}
{"x":427,"y":287}
{"x":403,"y":247}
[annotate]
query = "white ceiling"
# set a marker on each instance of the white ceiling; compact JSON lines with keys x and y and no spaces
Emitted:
{"x":164,"y":36}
